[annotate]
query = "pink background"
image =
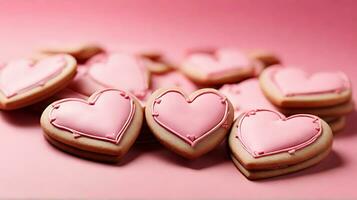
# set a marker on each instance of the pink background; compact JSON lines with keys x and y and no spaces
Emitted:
{"x":317,"y":35}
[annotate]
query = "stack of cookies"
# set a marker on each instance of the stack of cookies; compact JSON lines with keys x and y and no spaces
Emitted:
{"x":294,"y":91}
{"x":264,"y":143}
{"x":138,"y":95}
{"x":248,"y":95}
{"x":278,"y":125}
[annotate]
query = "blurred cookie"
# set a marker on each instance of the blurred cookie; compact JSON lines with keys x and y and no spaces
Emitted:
{"x":25,"y":82}
{"x":267,"y":59}
{"x":324,"y":112}
{"x":81,"y":52}
{"x":337,"y":125}
{"x":218,"y":67}
{"x":155,"y":60}
{"x":289,"y":87}
{"x":172,"y":79}
{"x":248,"y":95}
{"x":114,"y":70}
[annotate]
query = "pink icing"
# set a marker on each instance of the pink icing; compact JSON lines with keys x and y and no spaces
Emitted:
{"x":218,"y":62}
{"x":191,"y":119}
{"x":105,"y":116}
{"x":99,"y":58}
{"x":172,"y":79}
{"x":246,"y":96}
{"x":294,"y":81}
{"x":267,"y":132}
{"x":23,"y":75}
{"x":83,"y":84}
{"x":120,"y":70}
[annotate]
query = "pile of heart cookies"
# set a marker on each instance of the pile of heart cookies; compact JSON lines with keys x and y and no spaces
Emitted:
{"x":96,"y":104}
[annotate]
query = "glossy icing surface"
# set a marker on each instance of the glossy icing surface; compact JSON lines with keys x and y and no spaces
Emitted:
{"x":191,"y":119}
{"x":105,"y":116}
{"x":246,"y":96}
{"x":266,"y":132}
{"x":130,"y":73}
{"x":294,"y":81}
{"x":23,"y":75}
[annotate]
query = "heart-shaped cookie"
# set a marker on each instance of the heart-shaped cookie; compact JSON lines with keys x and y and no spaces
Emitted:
{"x":189,"y":125}
{"x":109,"y":122}
{"x":172,"y":79}
{"x":218,"y":67}
{"x":246,"y":96}
{"x":263,"y":140}
{"x":154,"y":59}
{"x":265,"y":132}
{"x":338,"y":124}
{"x":265,"y":57}
{"x":115,"y":70}
{"x":121,"y":70}
{"x":293,"y":87}
{"x":24,"y":82}
{"x":81,"y":51}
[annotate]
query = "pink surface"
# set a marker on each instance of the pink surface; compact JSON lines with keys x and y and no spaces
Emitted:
{"x":267,"y":132}
{"x":317,"y":35}
{"x":190,"y":118}
{"x":293,"y":81}
{"x":105,"y":116}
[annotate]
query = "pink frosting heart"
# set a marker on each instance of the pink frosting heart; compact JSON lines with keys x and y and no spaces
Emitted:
{"x":190,"y":119}
{"x":23,"y":75}
{"x":221,"y":61}
{"x":294,"y":81}
{"x":120,"y":70}
{"x":246,"y":96}
{"x":105,"y":116}
{"x":266,"y":132}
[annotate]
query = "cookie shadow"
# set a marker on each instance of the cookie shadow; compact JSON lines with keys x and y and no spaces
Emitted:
{"x":21,"y":118}
{"x":136,"y":150}
{"x":217,"y":156}
{"x":351,"y":126}
{"x":132,"y":154}
{"x":331,"y":162}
